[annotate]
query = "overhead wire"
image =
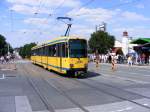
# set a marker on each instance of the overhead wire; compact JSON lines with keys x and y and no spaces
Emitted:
{"x":115,"y":6}
{"x":51,"y":14}
{"x":82,"y":6}
{"x":11,"y":21}
{"x":32,"y":19}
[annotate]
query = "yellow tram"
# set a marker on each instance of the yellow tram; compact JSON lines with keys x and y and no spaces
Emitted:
{"x":66,"y":55}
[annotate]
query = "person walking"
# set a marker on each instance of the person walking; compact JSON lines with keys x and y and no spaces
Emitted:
{"x":97,"y":59}
{"x":2,"y":59}
{"x":130,"y":60}
{"x":113,"y":67}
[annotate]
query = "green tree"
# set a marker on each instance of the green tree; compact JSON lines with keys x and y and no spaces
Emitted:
{"x":4,"y":46}
{"x":101,"y":41}
{"x":25,"y":51}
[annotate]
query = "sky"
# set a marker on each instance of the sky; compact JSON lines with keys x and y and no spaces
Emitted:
{"x":26,"y":21}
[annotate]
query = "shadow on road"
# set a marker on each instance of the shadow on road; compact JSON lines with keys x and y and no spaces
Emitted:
{"x":89,"y":75}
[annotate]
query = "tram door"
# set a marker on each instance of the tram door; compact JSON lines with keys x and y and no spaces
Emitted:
{"x":61,"y":52}
{"x":59,"y":55}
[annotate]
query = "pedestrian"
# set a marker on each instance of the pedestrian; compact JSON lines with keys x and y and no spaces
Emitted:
{"x":97,"y":59}
{"x":130,"y":60}
{"x":113,"y":63}
{"x":109,"y":59}
{"x":2,"y":59}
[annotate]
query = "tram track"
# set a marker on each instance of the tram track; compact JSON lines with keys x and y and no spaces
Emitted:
{"x":48,"y":106}
{"x":98,"y":89}
{"x":59,"y":90}
{"x":105,"y":92}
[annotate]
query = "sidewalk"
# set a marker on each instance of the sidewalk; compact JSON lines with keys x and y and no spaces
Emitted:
{"x":126,"y":65}
{"x":8,"y":66}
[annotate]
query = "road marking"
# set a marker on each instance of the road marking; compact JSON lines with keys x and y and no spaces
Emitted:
{"x":133,"y":80}
{"x":125,"y":109}
{"x":144,"y":101}
{"x":42,"y":111}
{"x":8,"y":69}
{"x":69,"y":110}
{"x":133,"y":73}
{"x":112,"y":107}
{"x":3,"y":77}
{"x":22,"y":104}
{"x":125,"y":78}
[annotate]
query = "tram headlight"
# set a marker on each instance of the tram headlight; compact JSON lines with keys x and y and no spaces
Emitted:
{"x":71,"y":65}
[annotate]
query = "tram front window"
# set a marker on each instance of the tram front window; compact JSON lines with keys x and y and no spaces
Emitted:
{"x":77,"y":48}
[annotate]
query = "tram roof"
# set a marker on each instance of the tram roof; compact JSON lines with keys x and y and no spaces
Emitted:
{"x":57,"y":40}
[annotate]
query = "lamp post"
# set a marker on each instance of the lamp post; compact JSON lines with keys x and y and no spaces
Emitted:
{"x":8,"y":49}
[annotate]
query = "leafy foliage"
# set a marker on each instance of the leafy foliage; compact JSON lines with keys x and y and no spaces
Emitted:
{"x":101,"y":41}
{"x":4,"y":46}
{"x":25,"y":51}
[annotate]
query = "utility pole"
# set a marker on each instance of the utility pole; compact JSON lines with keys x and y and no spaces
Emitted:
{"x":11,"y":20}
{"x":8,"y":49}
{"x":96,"y":28}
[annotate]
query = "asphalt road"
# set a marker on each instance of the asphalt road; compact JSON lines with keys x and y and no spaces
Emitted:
{"x":31,"y":88}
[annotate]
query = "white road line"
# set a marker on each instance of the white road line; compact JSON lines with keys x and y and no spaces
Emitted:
{"x":145,"y":75}
{"x":144,"y":101}
{"x":8,"y":69}
{"x":3,"y":77}
{"x":127,"y":79}
{"x":42,"y":111}
{"x":145,"y":104}
{"x":133,"y":80}
{"x":69,"y":110}
{"x":112,"y":107}
{"x":22,"y":104}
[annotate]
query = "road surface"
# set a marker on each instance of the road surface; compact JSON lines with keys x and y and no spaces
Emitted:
{"x":30,"y":88}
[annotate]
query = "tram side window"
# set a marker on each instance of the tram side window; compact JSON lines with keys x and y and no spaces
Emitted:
{"x":52,"y":50}
{"x":32,"y":52}
{"x":58,"y":51}
{"x":64,"y":50}
{"x":37,"y":53}
{"x":40,"y":52}
{"x":46,"y":51}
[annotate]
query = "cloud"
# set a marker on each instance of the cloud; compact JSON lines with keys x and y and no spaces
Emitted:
{"x":48,"y":3}
{"x":95,"y":15}
{"x":133,"y":16}
{"x":82,"y":29}
{"x":134,"y":31}
{"x":140,"y":6}
{"x":41,"y":6}
{"x":24,"y":9}
{"x":41,"y":22}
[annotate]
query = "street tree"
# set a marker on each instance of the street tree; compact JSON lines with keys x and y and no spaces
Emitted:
{"x":101,"y":41}
{"x":4,"y":46}
{"x":25,"y":51}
